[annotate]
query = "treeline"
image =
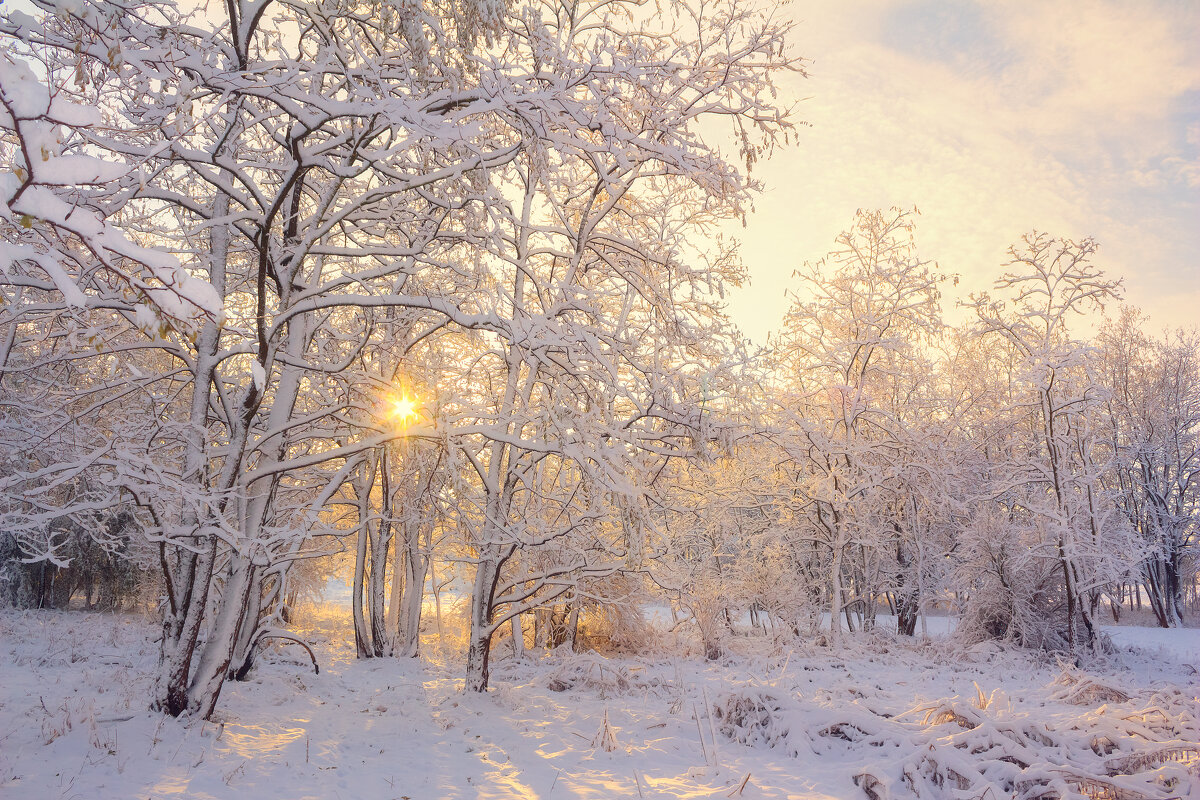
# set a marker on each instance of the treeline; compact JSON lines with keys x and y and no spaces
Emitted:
{"x":1007,"y":470}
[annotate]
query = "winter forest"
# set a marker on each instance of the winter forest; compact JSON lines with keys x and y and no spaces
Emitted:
{"x":373,"y":425}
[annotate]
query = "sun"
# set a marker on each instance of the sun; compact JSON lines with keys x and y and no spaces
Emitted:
{"x":404,"y":408}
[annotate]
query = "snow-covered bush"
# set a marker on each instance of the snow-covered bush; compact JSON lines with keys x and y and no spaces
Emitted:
{"x":1014,"y":592}
{"x":595,"y":673}
{"x":615,"y":627}
{"x":753,"y":717}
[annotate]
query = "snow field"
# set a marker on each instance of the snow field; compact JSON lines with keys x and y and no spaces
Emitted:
{"x":881,"y":718}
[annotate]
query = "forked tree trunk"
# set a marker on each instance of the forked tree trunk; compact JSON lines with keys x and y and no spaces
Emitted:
{"x":243,"y":651}
{"x":211,"y":670}
{"x":188,"y":581}
{"x":180,"y":638}
{"x":1164,"y":589}
{"x":272,"y":599}
{"x":243,"y":591}
{"x":907,"y":610}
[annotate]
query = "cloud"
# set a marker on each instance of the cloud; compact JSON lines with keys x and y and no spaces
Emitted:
{"x":1122,"y":62}
{"x":1076,"y":118}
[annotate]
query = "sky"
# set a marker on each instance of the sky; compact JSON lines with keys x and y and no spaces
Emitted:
{"x":993,"y":119}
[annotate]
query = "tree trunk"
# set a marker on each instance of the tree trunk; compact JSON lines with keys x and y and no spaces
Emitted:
{"x":1174,"y":590}
{"x":573,"y":627}
{"x":479,"y":651}
{"x":191,"y":574}
{"x":206,"y":685}
{"x":835,"y":597}
{"x":1070,"y":590}
{"x":376,"y":598}
{"x":242,"y":658}
{"x":518,"y":637}
{"x":908,"y":600}
{"x":381,"y":640}
{"x":416,"y":565}
{"x":436,"y":590}
{"x":400,"y":588}
{"x":541,"y":628}
{"x":908,"y":606}
{"x":171,"y":687}
{"x":361,"y":634}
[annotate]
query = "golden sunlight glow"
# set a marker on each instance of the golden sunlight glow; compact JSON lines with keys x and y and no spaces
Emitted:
{"x":404,"y":409}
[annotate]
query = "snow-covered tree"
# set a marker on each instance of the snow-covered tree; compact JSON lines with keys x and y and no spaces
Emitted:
{"x":1058,"y":460}
{"x":849,"y":354}
{"x":1152,"y":421}
{"x":601,"y":295}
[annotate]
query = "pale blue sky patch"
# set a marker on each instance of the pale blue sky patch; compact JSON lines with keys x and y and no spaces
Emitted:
{"x":957,"y":34}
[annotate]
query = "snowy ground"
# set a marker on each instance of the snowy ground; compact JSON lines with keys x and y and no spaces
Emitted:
{"x":768,"y":723}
